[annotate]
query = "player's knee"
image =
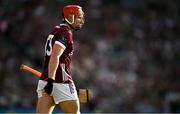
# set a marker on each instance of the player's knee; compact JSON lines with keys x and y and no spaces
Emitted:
{"x":70,"y":107}
{"x":73,"y":109}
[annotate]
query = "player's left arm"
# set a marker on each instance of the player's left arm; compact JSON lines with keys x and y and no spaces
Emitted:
{"x":52,"y":67}
{"x":58,"y":48}
{"x":54,"y":60}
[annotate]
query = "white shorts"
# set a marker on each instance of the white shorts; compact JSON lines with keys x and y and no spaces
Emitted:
{"x":61,"y":92}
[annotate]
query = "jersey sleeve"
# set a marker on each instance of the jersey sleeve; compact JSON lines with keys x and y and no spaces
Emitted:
{"x":63,"y":39}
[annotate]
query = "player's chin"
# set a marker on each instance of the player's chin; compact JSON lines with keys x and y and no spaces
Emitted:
{"x":78,"y":27}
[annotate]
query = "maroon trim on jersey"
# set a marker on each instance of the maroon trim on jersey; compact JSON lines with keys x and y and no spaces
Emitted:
{"x":65,"y":25}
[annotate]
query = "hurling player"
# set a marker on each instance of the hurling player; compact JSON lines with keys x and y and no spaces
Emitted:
{"x":56,"y":86}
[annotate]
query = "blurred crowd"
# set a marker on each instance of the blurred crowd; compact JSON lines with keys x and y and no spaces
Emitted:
{"x":127,"y":53}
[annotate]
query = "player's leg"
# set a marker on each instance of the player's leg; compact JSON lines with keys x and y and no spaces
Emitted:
{"x":70,"y":106}
{"x":45,"y":104}
{"x":65,"y":95}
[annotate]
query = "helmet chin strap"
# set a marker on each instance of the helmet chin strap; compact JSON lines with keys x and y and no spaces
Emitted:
{"x":70,"y":23}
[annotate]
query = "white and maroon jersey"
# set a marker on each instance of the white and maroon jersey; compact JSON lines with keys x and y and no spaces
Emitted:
{"x":61,"y":35}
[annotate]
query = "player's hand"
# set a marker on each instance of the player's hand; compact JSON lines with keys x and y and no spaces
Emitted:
{"x":49,"y":86}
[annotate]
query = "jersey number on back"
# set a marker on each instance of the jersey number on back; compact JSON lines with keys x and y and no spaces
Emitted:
{"x":48,"y":46}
